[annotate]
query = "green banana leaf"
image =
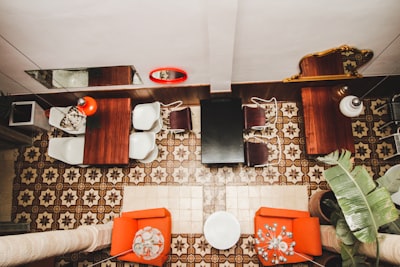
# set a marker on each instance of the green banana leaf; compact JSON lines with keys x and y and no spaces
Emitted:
{"x":349,"y":244}
{"x":391,"y":181}
{"x":365,"y":206}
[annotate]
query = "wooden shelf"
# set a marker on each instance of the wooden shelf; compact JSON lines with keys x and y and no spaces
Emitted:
{"x":106,"y":76}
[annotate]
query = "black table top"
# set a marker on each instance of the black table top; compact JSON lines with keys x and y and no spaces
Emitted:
{"x":221,"y":130}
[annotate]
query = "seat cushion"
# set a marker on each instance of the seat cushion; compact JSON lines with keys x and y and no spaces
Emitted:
{"x":253,"y":117}
{"x":180,"y":119}
{"x":141,"y":144}
{"x":163,"y":225}
{"x":268,"y":229}
{"x":255,"y":153}
{"x":272,"y":223}
{"x":148,"y":243}
{"x":145,"y":115}
{"x":130,"y":229}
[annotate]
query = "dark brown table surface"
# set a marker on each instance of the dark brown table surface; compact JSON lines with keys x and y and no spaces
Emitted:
{"x":222,"y":131}
{"x":107,"y":133}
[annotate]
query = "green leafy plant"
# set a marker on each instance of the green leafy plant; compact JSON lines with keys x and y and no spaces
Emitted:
{"x":364,"y":205}
{"x":349,"y":243}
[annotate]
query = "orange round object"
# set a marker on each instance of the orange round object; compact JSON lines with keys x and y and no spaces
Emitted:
{"x":88,"y":106}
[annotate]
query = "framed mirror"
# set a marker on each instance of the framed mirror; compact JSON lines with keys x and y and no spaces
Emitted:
{"x":168,"y":75}
{"x":86,"y":77}
{"x":332,"y":64}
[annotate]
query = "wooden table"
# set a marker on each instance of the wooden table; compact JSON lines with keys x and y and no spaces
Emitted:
{"x":222,"y":130}
{"x":326,"y":128}
{"x":107,"y":133}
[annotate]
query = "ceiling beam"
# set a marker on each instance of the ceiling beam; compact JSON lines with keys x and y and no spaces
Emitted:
{"x":222,"y":16}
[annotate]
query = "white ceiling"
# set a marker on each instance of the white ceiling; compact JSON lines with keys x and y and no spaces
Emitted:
{"x":218,"y":42}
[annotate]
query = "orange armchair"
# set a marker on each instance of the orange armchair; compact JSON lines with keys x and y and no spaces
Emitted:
{"x":142,"y":236}
{"x":286,"y":236}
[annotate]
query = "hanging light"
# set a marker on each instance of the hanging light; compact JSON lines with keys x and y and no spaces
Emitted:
{"x":87,"y":105}
{"x":352,"y":106}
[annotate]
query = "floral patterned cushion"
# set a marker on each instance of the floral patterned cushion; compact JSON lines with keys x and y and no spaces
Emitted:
{"x":148,"y":243}
{"x":275,"y":245}
{"x":73,"y":120}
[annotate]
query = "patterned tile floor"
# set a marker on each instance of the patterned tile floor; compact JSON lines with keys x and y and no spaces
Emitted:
{"x":52,"y":195}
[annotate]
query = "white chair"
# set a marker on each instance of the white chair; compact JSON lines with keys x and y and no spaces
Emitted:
{"x":143,"y":147}
{"x":147,"y":117}
{"x":68,"y":119}
{"x":67,"y":149}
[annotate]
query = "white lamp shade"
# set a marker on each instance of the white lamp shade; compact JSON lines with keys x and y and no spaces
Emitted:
{"x":347,"y":107}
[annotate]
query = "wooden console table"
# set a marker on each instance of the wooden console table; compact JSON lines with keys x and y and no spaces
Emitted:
{"x":326,"y":128}
{"x":107,"y":133}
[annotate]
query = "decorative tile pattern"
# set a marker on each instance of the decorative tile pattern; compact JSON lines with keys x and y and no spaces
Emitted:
{"x":51,"y":195}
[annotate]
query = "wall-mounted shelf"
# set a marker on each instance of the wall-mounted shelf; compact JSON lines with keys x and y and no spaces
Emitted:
{"x":85,"y":77}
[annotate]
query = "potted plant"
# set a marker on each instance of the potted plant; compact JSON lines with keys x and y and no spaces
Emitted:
{"x":364,"y":206}
{"x":319,"y":208}
{"x":329,"y":259}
